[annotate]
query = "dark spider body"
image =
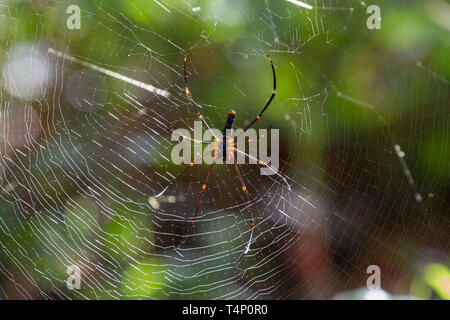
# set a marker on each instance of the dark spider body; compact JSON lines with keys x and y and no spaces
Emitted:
{"x":228,"y":126}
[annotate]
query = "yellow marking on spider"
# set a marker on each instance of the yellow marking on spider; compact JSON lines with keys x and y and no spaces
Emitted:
{"x":260,"y":163}
{"x":191,"y":164}
{"x":270,"y":59}
{"x":204,"y":187}
{"x":244,"y":188}
{"x":274,"y":91}
{"x":187,"y":91}
{"x":185,"y":58}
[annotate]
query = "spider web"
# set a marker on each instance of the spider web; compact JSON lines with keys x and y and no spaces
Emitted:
{"x":85,"y":150}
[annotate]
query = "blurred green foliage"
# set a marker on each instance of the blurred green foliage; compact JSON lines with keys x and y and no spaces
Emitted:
{"x":338,"y":83}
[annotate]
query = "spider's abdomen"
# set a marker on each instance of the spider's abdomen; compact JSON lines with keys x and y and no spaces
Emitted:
{"x":228,"y":126}
{"x":230,"y":121}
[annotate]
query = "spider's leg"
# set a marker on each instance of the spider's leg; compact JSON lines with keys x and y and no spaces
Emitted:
{"x":274,"y":92}
{"x":189,"y":95}
{"x":244,"y":189}
{"x":181,"y":172}
{"x":195,"y":140}
{"x":262,"y":163}
{"x":172,"y":181}
{"x":202,"y":192}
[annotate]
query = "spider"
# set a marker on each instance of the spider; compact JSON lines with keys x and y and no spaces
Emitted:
{"x":224,"y":146}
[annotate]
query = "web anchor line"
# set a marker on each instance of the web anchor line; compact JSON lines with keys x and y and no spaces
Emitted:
{"x":112,"y":74}
{"x":407,"y":172}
